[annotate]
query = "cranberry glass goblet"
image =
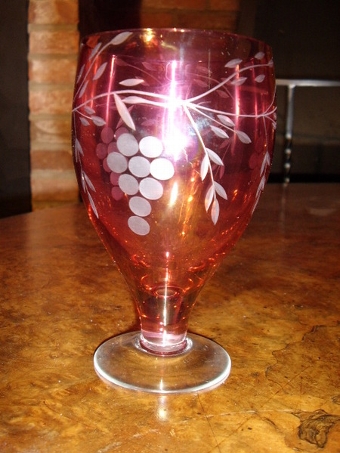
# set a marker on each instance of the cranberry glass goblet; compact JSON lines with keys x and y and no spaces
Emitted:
{"x":172,"y":140}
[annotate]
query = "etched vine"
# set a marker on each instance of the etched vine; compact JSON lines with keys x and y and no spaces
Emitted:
{"x":221,"y":123}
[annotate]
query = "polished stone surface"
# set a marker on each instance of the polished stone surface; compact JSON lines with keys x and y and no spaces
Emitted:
{"x":274,"y":304}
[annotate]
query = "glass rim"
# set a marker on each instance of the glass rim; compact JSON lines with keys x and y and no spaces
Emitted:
{"x":177,"y":30}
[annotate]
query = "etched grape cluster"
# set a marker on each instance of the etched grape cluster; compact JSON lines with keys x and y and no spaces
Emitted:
{"x":136,"y":169}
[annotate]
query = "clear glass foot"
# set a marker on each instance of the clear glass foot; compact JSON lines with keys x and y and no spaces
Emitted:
{"x":202,"y":365}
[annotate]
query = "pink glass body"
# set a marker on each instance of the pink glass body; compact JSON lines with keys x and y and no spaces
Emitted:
{"x":172,"y":133}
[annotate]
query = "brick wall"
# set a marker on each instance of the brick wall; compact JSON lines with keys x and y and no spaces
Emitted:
{"x":53,"y":47}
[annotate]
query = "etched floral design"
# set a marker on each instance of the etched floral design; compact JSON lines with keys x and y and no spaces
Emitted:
{"x":138,"y":168}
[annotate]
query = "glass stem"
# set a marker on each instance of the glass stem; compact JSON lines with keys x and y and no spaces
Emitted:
{"x":164,"y":321}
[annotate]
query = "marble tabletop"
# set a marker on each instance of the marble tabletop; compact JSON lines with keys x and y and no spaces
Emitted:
{"x":274,"y":304}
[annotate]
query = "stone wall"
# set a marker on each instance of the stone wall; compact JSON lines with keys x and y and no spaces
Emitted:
{"x":53,"y":47}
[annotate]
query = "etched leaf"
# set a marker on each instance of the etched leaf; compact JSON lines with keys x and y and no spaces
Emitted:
{"x":131,"y":82}
{"x":243,"y":137}
{"x":215,"y":211}
{"x":124,"y":112}
{"x":78,"y":147}
{"x":89,"y":110}
{"x":120,"y":123}
{"x":82,"y":91}
{"x":98,"y":121}
{"x":265,"y":163}
{"x":260,"y":78}
{"x":148,"y":66}
{"x":133,"y":100}
{"x":84,"y":121}
{"x":255,"y":203}
{"x":239,"y":81}
{"x":93,"y":206}
{"x":259,"y":55}
{"x":100,"y":71}
{"x":220,"y":190}
{"x":203,"y":70}
{"x":260,"y":187}
{"x":233,"y":63}
{"x":80,"y":73}
{"x":214,"y":157}
{"x":119,"y":39}
{"x":95,"y":50}
{"x":201,"y":83}
{"x":88,"y":182}
{"x":209,"y":197}
{"x":83,"y":183}
{"x":226,"y":120}
{"x":219,"y":132}
{"x":222,"y":93}
{"x":119,"y":62}
{"x":224,"y":144}
{"x":204,"y":167}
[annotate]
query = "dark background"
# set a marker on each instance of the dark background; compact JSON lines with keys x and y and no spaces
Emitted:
{"x":304,"y":34}
{"x":14,"y":129}
{"x":305,"y":37}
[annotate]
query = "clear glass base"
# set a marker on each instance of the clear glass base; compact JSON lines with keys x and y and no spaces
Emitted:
{"x":202,"y":365}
